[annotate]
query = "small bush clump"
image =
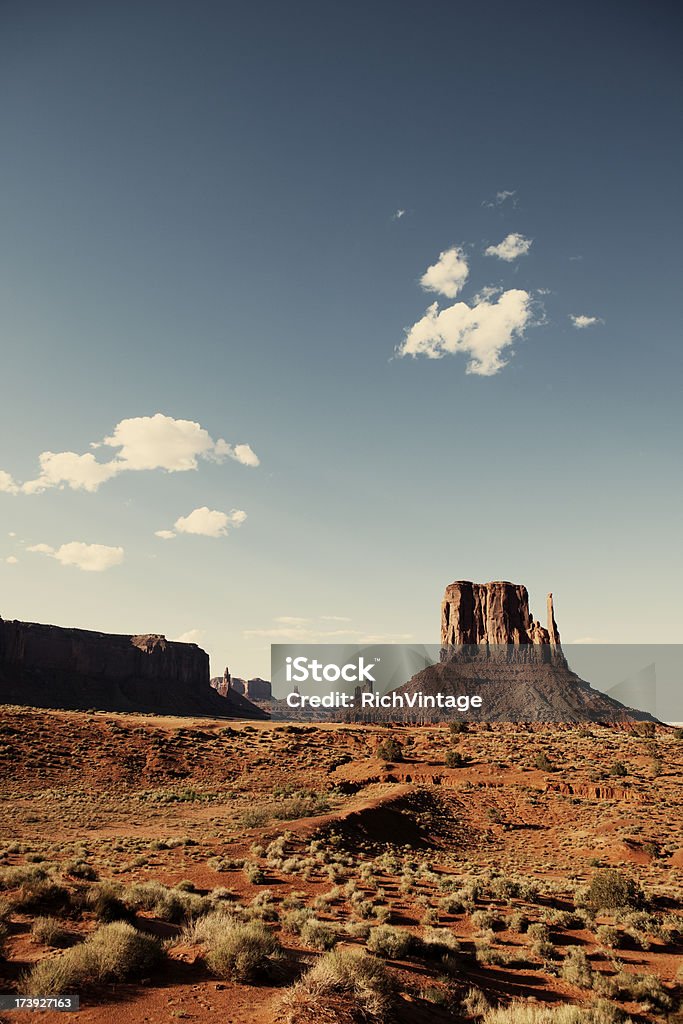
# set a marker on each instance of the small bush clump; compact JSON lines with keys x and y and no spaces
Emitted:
{"x":242,"y":952}
{"x":610,"y":889}
{"x":112,"y":953}
{"x":389,"y":941}
{"x":390,"y":750}
{"x":356,"y":985}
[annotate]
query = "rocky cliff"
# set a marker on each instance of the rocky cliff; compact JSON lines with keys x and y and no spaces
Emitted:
{"x":50,"y":666}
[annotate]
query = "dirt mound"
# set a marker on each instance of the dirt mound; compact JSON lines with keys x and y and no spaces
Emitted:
{"x":414,"y":818}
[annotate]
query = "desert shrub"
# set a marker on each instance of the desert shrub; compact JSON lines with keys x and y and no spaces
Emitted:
{"x":577,"y":969}
{"x":518,"y":922}
{"x":301,"y":807}
{"x":20,"y":874}
{"x":295,"y":920}
{"x":388,"y":941}
{"x":263,"y":907}
{"x":486,"y":954}
{"x":678,"y":734}
{"x":609,"y":936}
{"x":438,"y":942}
{"x":242,"y":952}
{"x":639,"y":988}
{"x":254,"y":873}
{"x":43,"y":894}
{"x":618,"y":770}
{"x":319,"y":935}
{"x":456,"y":728}
{"x":543,"y":762}
{"x":107,"y":904}
{"x":454,"y":759}
{"x":538,"y":932}
{"x":114,"y":952}
{"x":519,"y":1012}
{"x":390,"y":750}
{"x":451,"y":904}
{"x":610,"y":889}
{"x":166,"y":903}
{"x":475,"y":1003}
{"x":255,"y":816}
{"x":482,"y":920}
{"x":224,"y":863}
{"x":51,"y":931}
{"x":81,"y":869}
{"x":356,"y":985}
{"x":120,"y":951}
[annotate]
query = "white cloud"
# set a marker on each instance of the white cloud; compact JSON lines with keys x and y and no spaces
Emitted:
{"x":208,"y":522}
{"x":581,"y":321}
{"x":483,"y":331}
{"x":80,"y":472}
{"x":11,"y":534}
{"x":164,"y":534}
{"x":142,"y":443}
{"x":510,"y":248}
{"x":291,"y":620}
{"x":88,"y":557}
{"x":398,"y":214}
{"x":335,"y":618}
{"x":7,"y":483}
{"x":502,"y":197}
{"x":12,"y":560}
{"x":192,"y":636}
{"x":448,"y":275}
{"x":240,"y":452}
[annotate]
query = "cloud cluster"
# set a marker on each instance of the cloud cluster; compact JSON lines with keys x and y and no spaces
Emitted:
{"x":205,"y":522}
{"x":511,"y":248}
{"x":482,"y":332}
{"x":582,"y":321}
{"x":502,"y":197}
{"x":88,"y":557}
{"x":448,"y":275}
{"x":142,"y":443}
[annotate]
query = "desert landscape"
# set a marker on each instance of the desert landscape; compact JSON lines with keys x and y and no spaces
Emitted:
{"x":231,"y":867}
{"x":172,"y":869}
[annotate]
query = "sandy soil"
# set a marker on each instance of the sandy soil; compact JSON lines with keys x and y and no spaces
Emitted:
{"x":198,"y":802}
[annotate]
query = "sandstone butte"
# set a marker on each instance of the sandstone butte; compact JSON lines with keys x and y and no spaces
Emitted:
{"x":54,"y":667}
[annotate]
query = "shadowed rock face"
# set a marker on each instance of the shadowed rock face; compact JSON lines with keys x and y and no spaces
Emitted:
{"x":49,"y":666}
{"x":493,"y":613}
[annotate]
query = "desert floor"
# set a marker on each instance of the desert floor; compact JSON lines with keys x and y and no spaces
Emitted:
{"x":543,"y":865}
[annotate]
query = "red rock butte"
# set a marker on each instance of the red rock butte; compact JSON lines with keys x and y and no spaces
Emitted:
{"x":493,"y":613}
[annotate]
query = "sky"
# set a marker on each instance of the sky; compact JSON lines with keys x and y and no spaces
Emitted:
{"x":333,"y":304}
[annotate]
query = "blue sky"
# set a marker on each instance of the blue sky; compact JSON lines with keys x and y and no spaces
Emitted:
{"x":199,"y":219}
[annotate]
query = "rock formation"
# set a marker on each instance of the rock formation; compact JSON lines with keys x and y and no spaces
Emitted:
{"x":54,"y":667}
{"x":259,"y":689}
{"x":492,"y":613}
{"x":491,"y":646}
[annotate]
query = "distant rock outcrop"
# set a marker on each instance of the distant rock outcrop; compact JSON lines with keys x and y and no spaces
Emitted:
{"x":259,"y":689}
{"x":54,"y":667}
